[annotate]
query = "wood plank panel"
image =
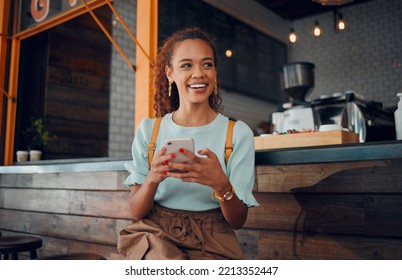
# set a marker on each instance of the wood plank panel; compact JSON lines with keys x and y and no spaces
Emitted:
{"x":89,"y":203}
{"x":61,"y":127}
{"x":77,"y":112}
{"x":66,"y":148}
{"x":15,"y":180}
{"x":249,"y":242}
{"x":290,"y":246}
{"x":95,"y":180}
{"x":83,"y":228}
{"x":68,"y":84}
{"x":353,"y":177}
{"x":374,"y":214}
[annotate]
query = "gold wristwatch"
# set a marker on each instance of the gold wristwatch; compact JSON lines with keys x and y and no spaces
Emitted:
{"x":226,"y":196}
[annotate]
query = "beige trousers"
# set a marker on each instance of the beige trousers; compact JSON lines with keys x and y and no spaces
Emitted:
{"x":167,"y":234}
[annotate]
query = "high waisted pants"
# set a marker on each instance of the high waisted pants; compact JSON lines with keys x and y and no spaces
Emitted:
{"x":167,"y":234}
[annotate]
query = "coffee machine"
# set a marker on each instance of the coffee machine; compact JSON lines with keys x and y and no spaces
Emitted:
{"x":366,"y":117}
{"x":297,"y":82}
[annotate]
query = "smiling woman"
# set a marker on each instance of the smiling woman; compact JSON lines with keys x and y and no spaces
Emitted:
{"x":174,"y":215}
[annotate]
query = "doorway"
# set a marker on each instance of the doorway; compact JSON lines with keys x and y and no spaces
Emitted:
{"x":64,"y":80}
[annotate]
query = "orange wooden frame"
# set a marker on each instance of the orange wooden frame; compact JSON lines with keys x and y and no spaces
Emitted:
{"x":147,"y":33}
{"x":4,"y":42}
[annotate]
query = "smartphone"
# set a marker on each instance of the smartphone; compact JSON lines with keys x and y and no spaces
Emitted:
{"x":174,"y":145}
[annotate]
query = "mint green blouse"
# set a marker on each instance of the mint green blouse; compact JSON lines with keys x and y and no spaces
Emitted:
{"x":175,"y":194}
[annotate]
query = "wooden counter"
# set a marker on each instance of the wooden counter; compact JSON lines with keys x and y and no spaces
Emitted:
{"x":338,"y":202}
{"x":334,"y":202}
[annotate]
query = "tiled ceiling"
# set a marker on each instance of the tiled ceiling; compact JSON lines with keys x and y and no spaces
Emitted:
{"x":296,"y":9}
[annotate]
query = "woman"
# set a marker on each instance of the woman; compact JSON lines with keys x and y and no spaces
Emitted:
{"x":174,"y":215}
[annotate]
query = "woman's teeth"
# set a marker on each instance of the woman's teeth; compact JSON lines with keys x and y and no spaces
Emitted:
{"x":195,"y":86}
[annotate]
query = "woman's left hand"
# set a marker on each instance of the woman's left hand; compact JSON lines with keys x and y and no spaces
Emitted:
{"x":203,"y":170}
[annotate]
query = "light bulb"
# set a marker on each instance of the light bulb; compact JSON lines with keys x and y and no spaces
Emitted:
{"x":341,"y":24}
{"x":317,"y":31}
{"x":292,"y":36}
{"x":228,"y":53}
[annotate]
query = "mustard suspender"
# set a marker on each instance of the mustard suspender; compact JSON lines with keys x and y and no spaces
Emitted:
{"x":229,"y":136}
{"x":152,"y":143}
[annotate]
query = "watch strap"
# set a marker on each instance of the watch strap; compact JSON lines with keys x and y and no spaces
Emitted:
{"x":222,"y":198}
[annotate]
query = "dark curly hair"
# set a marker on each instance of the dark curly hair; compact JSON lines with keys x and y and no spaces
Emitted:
{"x":163,"y":103}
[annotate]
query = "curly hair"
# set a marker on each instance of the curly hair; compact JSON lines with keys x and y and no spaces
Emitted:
{"x":163,"y":103}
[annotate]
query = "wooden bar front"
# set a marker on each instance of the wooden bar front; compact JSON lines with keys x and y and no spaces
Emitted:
{"x":346,"y":210}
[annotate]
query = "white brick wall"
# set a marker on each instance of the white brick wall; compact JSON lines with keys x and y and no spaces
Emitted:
{"x":122,"y":84}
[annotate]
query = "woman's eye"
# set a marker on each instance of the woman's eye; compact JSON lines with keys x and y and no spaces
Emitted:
{"x":208,"y":65}
{"x":185,"y":65}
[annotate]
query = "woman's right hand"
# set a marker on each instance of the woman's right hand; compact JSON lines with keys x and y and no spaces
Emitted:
{"x":142,"y":196}
{"x":159,"y":166}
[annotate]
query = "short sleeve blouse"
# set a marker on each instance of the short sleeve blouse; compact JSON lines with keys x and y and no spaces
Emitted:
{"x":175,"y":194}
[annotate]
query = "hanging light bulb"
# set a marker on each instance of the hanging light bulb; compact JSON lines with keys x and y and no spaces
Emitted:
{"x":317,"y":30}
{"x":340,"y":22}
{"x":292,"y":36}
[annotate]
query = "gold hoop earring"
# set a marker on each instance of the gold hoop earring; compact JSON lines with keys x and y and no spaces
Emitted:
{"x":170,"y":89}
{"x":216,"y":88}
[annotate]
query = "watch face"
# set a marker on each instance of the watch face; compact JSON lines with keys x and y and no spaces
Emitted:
{"x":228,"y":195}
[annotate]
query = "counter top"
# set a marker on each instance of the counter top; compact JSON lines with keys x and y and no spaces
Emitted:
{"x":334,"y":153}
{"x":304,"y":155}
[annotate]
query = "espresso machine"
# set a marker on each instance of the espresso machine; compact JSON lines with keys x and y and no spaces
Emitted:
{"x":297,"y":82}
{"x":366,"y":117}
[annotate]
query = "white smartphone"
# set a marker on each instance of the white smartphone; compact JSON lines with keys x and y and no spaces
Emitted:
{"x":174,"y":145}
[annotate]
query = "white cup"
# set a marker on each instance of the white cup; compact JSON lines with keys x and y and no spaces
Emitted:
{"x":22,"y":156}
{"x":35,"y":155}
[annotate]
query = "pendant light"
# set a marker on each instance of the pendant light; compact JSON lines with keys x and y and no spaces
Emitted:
{"x":292,"y":36}
{"x":317,"y":30}
{"x":340,"y":23}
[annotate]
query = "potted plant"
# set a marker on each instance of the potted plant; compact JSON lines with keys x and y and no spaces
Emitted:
{"x":36,"y":137}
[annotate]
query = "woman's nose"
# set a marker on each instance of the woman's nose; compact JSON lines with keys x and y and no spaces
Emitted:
{"x":198,"y":72}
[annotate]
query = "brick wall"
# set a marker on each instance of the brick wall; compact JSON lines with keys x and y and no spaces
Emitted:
{"x":366,"y":57}
{"x":122,"y":84}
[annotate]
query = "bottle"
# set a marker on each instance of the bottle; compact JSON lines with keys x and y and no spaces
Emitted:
{"x":398,"y":118}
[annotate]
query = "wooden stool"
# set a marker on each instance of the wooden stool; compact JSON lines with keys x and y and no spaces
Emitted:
{"x":74,"y":256}
{"x":17,"y":244}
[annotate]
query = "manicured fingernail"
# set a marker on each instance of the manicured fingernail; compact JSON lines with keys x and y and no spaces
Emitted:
{"x":181,"y":150}
{"x":173,"y":155}
{"x":164,"y":149}
{"x":199,"y":151}
{"x":166,"y":163}
{"x":164,"y":173}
